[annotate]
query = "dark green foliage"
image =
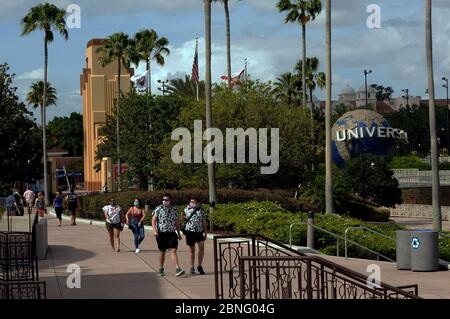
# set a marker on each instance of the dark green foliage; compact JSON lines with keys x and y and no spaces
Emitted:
{"x":370,"y":178}
{"x":21,"y":146}
{"x":66,"y":133}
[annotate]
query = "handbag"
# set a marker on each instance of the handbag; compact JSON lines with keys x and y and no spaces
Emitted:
{"x":183,"y":226}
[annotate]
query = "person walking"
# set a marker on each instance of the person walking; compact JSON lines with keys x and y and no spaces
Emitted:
{"x":72,"y":204}
{"x":135,"y":220}
{"x":114,"y":223}
{"x":11,"y":205}
{"x":29,"y":199}
{"x":166,"y":229}
{"x":19,"y":202}
{"x":58,"y":206}
{"x":195,"y":230}
{"x":40,"y":205}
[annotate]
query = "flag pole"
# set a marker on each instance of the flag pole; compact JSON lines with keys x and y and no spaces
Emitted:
{"x":245,"y":75}
{"x":196,"y":50}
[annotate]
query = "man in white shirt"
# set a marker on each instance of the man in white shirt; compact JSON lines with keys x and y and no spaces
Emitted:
{"x":29,"y":199}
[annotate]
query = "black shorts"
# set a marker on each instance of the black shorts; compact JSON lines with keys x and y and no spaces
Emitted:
{"x":111,"y":227}
{"x":58,"y":211}
{"x":167,"y":241}
{"x":72,"y":212}
{"x":193,"y":237}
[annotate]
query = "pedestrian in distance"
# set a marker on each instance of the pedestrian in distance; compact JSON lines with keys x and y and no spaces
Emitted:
{"x":58,"y":206}
{"x":135,"y":220}
{"x":194,"y":228}
{"x":29,"y":199}
{"x":72,"y":204}
{"x":114,"y":218}
{"x":19,"y":202}
{"x":11,"y":205}
{"x":166,"y":229}
{"x":40,"y":205}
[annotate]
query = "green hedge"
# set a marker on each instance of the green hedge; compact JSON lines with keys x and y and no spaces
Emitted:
{"x":91,"y":204}
{"x":271,"y":220}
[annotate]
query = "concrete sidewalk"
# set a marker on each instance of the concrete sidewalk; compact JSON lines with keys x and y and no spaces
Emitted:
{"x":127,"y":275}
{"x":107,"y":274}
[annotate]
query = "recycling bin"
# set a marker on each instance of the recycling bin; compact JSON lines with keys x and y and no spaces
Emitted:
{"x":403,"y":249}
{"x":424,"y":250}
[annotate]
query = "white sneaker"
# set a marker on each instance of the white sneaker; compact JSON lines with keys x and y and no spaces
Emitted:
{"x":138,"y":250}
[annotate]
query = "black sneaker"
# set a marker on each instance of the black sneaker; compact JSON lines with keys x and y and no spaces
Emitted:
{"x":200,"y":270}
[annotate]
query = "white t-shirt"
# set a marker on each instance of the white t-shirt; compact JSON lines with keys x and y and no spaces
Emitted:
{"x":112,"y":213}
{"x":29,"y":196}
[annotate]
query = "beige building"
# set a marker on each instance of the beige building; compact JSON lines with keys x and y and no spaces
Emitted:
{"x":98,"y":86}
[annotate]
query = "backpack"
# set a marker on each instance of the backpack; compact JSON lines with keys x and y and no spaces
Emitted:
{"x":72,"y":201}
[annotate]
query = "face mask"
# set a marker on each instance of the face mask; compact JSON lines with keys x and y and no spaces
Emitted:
{"x":192,"y":205}
{"x":136,"y":204}
{"x":166,"y":203}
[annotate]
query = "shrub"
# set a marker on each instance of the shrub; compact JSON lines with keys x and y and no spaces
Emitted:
{"x":91,"y":204}
{"x":409,"y":161}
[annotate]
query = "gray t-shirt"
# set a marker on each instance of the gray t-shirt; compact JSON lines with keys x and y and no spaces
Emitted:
{"x":112,"y":213}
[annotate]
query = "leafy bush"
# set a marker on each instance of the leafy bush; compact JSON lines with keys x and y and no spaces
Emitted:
{"x":409,"y":161}
{"x":271,"y":220}
{"x":91,"y":204}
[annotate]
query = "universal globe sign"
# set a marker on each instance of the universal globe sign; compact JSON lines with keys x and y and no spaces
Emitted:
{"x":361,"y":132}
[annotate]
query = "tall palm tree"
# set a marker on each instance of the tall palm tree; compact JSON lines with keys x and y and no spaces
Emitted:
{"x":328,"y":172}
{"x":185,"y":87}
{"x":287,"y":86}
{"x":45,"y":17}
{"x":149,"y":46}
{"x":117,"y":47}
{"x":437,"y":223}
{"x":314,"y":80}
{"x":302,"y":12}
{"x":228,"y":32}
{"x":211,"y":168}
{"x":35,"y":96}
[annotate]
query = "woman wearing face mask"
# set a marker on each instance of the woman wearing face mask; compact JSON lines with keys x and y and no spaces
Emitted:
{"x":114,"y":222}
{"x":135,"y":221}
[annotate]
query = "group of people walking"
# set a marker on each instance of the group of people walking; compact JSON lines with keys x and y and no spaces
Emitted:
{"x":166,"y":227}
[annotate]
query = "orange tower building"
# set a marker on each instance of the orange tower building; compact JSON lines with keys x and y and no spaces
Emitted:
{"x":98,"y":88}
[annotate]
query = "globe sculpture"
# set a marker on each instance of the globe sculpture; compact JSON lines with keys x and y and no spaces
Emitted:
{"x":362,"y":132}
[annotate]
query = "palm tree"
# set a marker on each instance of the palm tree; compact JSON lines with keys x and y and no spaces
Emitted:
{"x":117,"y":47}
{"x":185,"y":87}
{"x":437,"y":223}
{"x":314,"y":79}
{"x":328,"y":172}
{"x":35,"y":96}
{"x":211,"y":168}
{"x":45,"y":17}
{"x":287,"y":86}
{"x":227,"y":23}
{"x":148,"y":47}
{"x":302,"y":12}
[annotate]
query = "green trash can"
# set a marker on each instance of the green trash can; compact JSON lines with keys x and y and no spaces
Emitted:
{"x":424,"y":250}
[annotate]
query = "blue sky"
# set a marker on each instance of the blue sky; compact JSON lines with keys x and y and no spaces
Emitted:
{"x":395,"y":52}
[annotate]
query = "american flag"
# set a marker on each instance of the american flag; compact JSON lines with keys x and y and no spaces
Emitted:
{"x":194,"y":76}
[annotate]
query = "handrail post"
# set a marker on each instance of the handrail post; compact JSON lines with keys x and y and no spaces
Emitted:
{"x":310,"y":230}
{"x":346,"y":243}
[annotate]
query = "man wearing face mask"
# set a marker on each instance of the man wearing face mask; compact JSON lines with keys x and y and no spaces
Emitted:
{"x":135,"y":221}
{"x":195,"y":231}
{"x":166,"y":229}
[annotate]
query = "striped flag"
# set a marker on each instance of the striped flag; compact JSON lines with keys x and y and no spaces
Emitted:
{"x":194,"y":76}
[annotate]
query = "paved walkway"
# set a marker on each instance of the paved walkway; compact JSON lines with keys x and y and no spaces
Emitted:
{"x":126,"y":275}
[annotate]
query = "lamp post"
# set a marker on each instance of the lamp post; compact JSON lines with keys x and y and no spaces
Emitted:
{"x":406,"y":91}
{"x":366,"y":72}
{"x":163,"y":83}
{"x":445,"y":86}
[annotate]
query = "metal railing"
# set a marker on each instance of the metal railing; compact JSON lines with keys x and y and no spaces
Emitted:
{"x":310,"y":277}
{"x":369,"y":230}
{"x":338,"y":238}
{"x":315,"y":227}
